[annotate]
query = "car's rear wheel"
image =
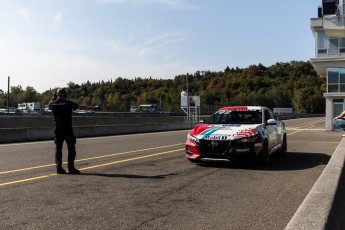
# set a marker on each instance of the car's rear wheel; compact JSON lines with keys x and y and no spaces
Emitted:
{"x":264,"y":157}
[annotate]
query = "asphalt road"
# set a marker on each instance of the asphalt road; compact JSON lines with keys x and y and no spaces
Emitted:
{"x":143,"y":181}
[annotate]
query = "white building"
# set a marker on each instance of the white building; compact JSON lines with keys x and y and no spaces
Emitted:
{"x":29,"y":107}
{"x":329,"y":61}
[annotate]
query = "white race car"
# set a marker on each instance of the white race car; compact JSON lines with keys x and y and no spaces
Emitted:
{"x":237,"y":133}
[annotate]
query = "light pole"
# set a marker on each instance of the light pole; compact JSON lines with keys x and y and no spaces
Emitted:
{"x":8,"y":95}
{"x":187,"y":98}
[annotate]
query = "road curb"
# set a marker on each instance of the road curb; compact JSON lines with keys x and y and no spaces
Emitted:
{"x":324,"y":206}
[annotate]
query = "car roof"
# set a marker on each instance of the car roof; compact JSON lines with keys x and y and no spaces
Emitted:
{"x":242,"y":108}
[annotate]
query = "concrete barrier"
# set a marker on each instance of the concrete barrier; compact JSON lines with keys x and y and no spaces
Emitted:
{"x":19,"y":121}
{"x":324,"y":206}
{"x":12,"y":134}
{"x":33,"y":128}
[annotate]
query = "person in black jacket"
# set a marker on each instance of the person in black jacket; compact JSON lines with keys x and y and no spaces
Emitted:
{"x":63,"y":130}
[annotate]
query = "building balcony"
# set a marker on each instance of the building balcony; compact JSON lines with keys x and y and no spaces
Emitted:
{"x":334,"y":26}
{"x":334,"y":95}
{"x":321,"y":64}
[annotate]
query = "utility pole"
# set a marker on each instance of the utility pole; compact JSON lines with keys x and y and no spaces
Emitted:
{"x":160,"y":103}
{"x":187,"y":85}
{"x":8,"y":95}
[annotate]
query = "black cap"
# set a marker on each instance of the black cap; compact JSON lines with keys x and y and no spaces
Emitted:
{"x":61,"y":93}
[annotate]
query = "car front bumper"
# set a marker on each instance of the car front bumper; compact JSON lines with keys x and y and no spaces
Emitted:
{"x":226,"y":150}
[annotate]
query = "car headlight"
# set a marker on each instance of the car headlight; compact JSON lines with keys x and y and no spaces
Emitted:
{"x":192,"y":138}
{"x":248,"y":139}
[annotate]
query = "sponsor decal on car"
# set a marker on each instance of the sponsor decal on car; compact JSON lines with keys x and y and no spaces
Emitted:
{"x":228,"y":132}
{"x":246,"y":133}
{"x":243,"y":150}
{"x":215,"y":137}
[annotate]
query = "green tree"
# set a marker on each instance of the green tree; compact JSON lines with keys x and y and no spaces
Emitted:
{"x":30,"y":95}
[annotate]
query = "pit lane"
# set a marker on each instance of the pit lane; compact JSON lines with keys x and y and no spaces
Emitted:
{"x":143,"y":181}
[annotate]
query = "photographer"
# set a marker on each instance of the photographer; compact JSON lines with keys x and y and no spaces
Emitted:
{"x":63,"y":131}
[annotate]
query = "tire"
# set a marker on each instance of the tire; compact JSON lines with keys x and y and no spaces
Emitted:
{"x":283,"y":149}
{"x":264,"y":157}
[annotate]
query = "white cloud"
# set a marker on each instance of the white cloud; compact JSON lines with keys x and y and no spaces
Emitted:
{"x":54,"y":63}
{"x":25,"y":14}
{"x":162,"y":43}
{"x":24,"y":20}
{"x":176,"y":4}
{"x":168,"y":2}
{"x":57,"y":17}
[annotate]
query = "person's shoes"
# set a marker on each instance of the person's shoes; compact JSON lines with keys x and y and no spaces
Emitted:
{"x":60,"y":170}
{"x":73,"y":171}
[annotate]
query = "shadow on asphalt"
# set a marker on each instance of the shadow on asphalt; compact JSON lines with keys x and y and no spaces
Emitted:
{"x":290,"y":161}
{"x":130,"y":176}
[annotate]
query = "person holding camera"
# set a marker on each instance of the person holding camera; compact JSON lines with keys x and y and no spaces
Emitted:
{"x":63,"y":131}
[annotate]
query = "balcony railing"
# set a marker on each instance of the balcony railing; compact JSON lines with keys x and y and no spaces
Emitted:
{"x":334,"y":22}
{"x":331,"y":52}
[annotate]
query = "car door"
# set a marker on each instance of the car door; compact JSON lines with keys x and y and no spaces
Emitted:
{"x":271,"y":130}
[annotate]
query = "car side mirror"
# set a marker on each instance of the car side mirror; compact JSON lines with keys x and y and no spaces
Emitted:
{"x":271,"y":122}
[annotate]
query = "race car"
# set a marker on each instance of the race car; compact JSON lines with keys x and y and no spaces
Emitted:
{"x":237,"y":133}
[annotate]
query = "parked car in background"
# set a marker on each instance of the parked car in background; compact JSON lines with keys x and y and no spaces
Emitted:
{"x":237,"y":133}
{"x":13,"y":110}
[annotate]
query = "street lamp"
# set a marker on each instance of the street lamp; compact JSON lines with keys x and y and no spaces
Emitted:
{"x":187,"y":85}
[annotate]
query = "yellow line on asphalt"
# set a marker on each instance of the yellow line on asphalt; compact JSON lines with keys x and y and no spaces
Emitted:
{"x":130,"y":159}
{"x":306,"y":126}
{"x":90,"y":158}
{"x":318,"y":142}
{"x":134,"y":151}
{"x":26,"y":169}
{"x":28,"y":179}
{"x":91,"y":167}
{"x":308,"y":123}
{"x":301,"y":130}
{"x":119,"y":161}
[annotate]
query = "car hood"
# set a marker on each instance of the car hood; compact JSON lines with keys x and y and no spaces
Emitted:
{"x":225,"y":132}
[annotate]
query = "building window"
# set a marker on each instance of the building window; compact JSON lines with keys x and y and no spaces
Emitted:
{"x":336,"y":80}
{"x":329,"y":46}
{"x":322,"y":43}
{"x":342,"y":45}
{"x":333,"y":45}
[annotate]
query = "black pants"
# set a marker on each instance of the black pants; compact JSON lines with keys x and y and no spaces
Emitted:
{"x":62,"y":134}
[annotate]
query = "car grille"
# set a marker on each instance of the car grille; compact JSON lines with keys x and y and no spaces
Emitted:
{"x":213,"y":146}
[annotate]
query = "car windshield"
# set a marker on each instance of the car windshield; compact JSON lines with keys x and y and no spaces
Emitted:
{"x":235,"y":117}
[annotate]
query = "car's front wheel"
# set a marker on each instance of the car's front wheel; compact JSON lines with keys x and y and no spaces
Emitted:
{"x":264,"y":157}
{"x":283,"y":149}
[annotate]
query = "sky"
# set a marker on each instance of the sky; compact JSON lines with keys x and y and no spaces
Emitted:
{"x":46,"y":44}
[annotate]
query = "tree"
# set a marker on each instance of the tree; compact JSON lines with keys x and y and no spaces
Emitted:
{"x":292,"y":84}
{"x":30,"y":95}
{"x":308,"y":101}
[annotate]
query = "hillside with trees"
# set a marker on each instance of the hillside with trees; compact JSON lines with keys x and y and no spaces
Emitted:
{"x":294,"y":84}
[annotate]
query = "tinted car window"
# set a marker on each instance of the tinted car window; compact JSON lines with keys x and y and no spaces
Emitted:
{"x":235,"y":117}
{"x":268,"y":115}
